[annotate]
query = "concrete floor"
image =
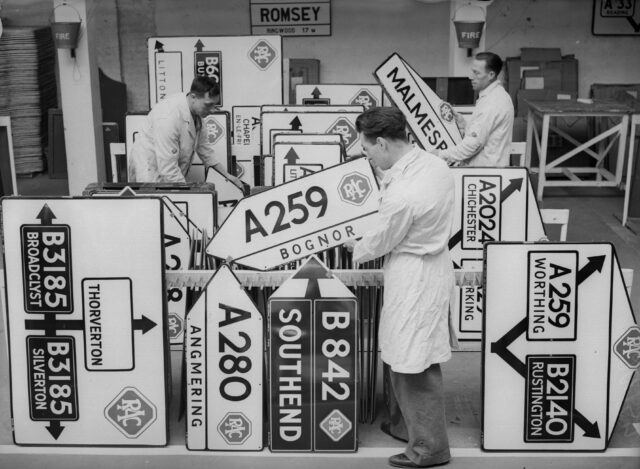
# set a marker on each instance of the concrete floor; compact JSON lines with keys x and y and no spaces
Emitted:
{"x":594,"y":216}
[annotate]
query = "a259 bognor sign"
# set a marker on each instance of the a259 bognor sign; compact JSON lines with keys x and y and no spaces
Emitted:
{"x":300,"y":218}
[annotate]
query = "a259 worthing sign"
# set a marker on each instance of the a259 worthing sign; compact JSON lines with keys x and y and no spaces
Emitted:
{"x":560,"y":346}
{"x":299,"y":218}
{"x":85,"y":316}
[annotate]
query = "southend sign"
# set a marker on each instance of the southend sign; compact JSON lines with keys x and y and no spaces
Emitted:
{"x":557,"y":339}
{"x":430,"y":119}
{"x":299,"y":218}
{"x":224,"y":368}
{"x":312,"y":363}
{"x":85,"y":316}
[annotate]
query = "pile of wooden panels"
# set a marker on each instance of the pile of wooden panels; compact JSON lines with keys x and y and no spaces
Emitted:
{"x":27,"y":91}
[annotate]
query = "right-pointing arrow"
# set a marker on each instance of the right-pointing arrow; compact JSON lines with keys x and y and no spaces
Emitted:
{"x":595,"y":264}
{"x":514,"y":185}
{"x":591,"y":430}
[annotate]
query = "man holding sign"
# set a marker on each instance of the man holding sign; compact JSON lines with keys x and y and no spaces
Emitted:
{"x":173,"y":132}
{"x":487,"y":136}
{"x":416,"y":214}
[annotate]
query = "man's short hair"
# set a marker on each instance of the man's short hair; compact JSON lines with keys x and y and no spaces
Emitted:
{"x":202,"y":85}
{"x":493,"y":61}
{"x":385,"y":122}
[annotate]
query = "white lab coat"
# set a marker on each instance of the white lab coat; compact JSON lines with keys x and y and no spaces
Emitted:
{"x":487,"y":136}
{"x":416,"y":214}
{"x":164,"y":148}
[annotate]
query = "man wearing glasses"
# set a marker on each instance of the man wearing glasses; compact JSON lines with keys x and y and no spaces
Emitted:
{"x":172,"y":132}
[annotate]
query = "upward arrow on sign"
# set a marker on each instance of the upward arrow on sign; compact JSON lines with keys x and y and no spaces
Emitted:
{"x":312,"y":271}
{"x":199,"y":45}
{"x":316,"y":93}
{"x":295,"y":123}
{"x":291,"y":157}
{"x":159,"y":47}
{"x":46,"y":215}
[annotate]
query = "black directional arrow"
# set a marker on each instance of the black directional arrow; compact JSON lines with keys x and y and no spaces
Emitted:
{"x":46,"y":215}
{"x":199,"y":45}
{"x":500,"y":347}
{"x":55,"y":428}
{"x":159,"y":47}
{"x":595,"y":263}
{"x":455,"y":239}
{"x":143,"y":324}
{"x":291,"y":156}
{"x":634,"y":25}
{"x":312,"y":271}
{"x":295,"y":123}
{"x":591,"y":430}
{"x":514,"y":185}
{"x":316,"y":93}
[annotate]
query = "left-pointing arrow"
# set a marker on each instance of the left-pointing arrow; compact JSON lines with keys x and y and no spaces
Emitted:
{"x":55,"y":429}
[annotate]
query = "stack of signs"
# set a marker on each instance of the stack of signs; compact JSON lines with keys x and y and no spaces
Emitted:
{"x":187,"y":214}
{"x":313,"y":340}
{"x":175,"y":61}
{"x":430,"y":118}
{"x":295,"y":160}
{"x":85,"y":314}
{"x":224,"y":368}
{"x":366,"y":95}
{"x":228,"y":193}
{"x":329,"y":122}
{"x":246,"y":140}
{"x":491,"y":204}
{"x":299,"y":218}
{"x":560,"y":346}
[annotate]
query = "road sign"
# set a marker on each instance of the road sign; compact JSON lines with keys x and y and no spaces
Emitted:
{"x":228,"y":193}
{"x":175,"y":61}
{"x":366,"y":95}
{"x":224,"y":368}
{"x":552,"y":375}
{"x":312,"y":355}
{"x":85,"y":315}
{"x":616,"y":18}
{"x":310,"y":108}
{"x":299,"y":218}
{"x":291,"y":17}
{"x":293,"y":161}
{"x":343,"y":123}
{"x":246,"y":140}
{"x":430,"y":119}
{"x":491,"y":204}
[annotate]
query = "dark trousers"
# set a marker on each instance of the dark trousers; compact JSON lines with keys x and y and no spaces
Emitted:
{"x":416,"y":413}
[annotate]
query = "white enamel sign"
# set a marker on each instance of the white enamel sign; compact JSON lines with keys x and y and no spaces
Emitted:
{"x":228,"y":193}
{"x":300,"y":218}
{"x":86,"y":314}
{"x":293,"y":161}
{"x":257,"y":60}
{"x":430,"y":118}
{"x":560,"y":346}
{"x":343,"y":123}
{"x":224,"y":346}
{"x":366,"y":95}
{"x":491,"y":204}
{"x":246,"y":140}
{"x":291,"y":17}
{"x":305,"y":108}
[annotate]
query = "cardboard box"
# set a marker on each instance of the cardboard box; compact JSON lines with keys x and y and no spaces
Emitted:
{"x":540,"y":54}
{"x":546,"y":79}
{"x":540,"y":95}
{"x":567,"y":67}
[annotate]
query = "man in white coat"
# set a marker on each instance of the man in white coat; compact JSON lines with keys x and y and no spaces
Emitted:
{"x":172,"y":133}
{"x":416,"y":214}
{"x":487,"y":136}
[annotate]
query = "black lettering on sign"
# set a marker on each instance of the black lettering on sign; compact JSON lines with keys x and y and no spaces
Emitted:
{"x":481,"y":210}
{"x":295,"y":212}
{"x":550,"y":398}
{"x":234,"y":362}
{"x":46,"y":268}
{"x":53,"y":389}
{"x":552,"y":297}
